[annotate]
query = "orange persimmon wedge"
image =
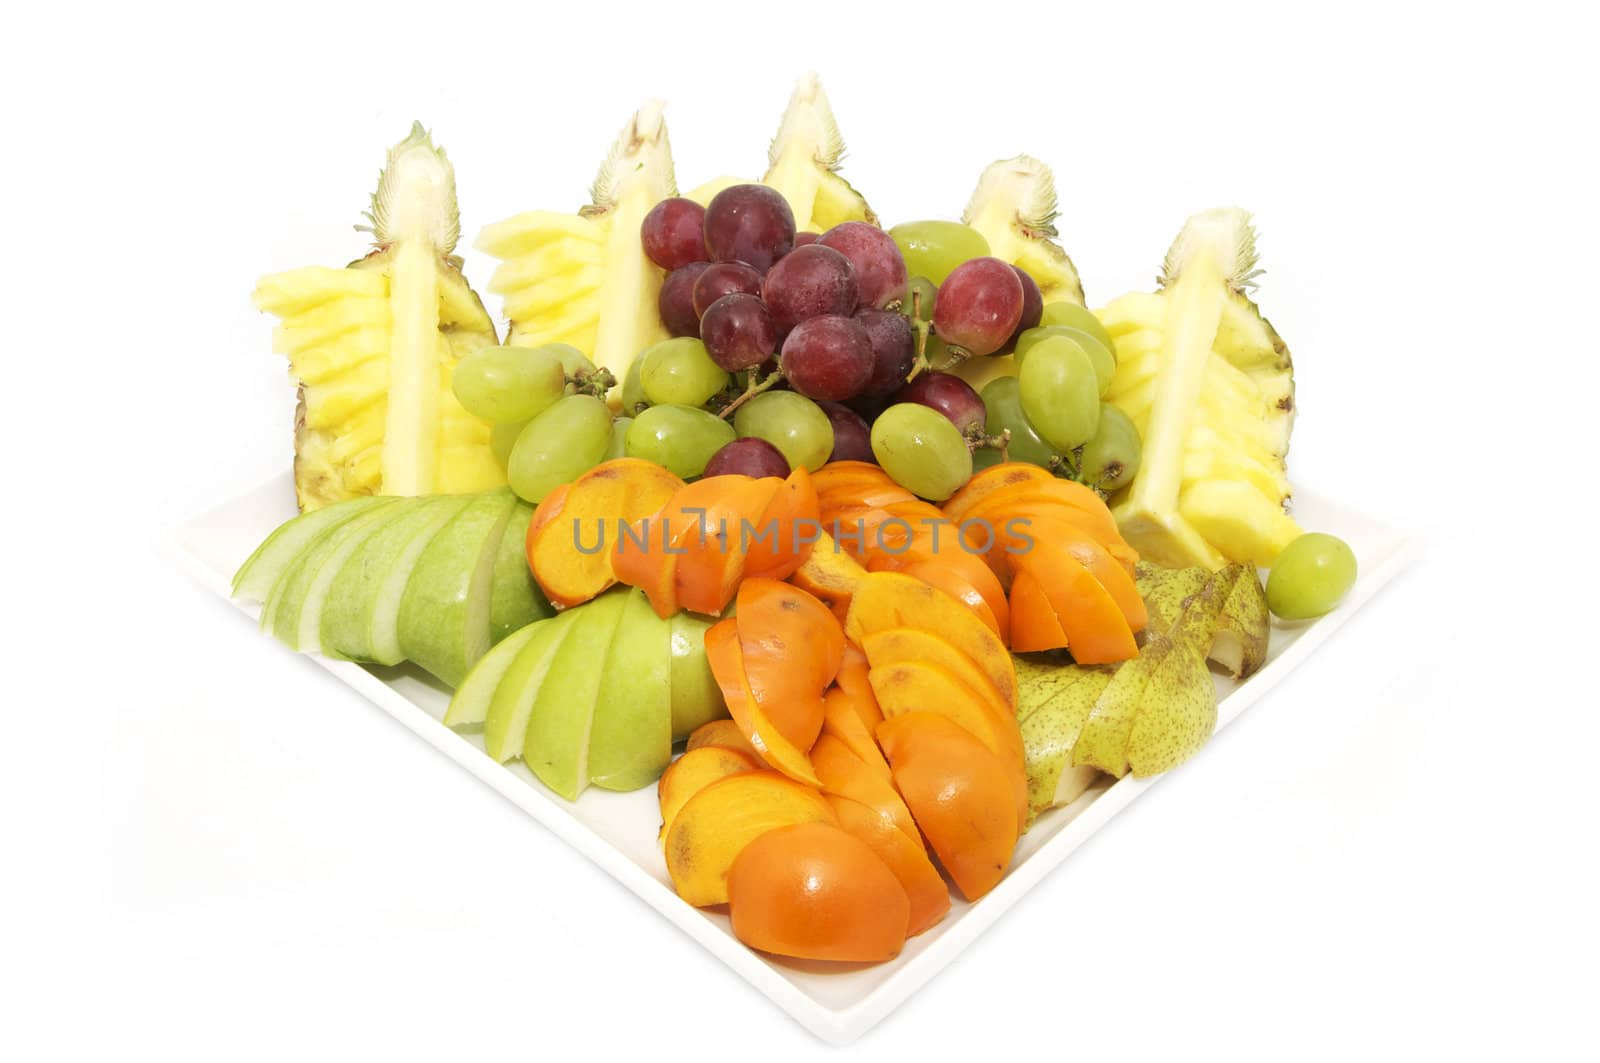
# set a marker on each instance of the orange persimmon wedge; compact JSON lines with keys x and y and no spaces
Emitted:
{"x":915,"y":645}
{"x":814,"y":891}
{"x":727,"y":667}
{"x":693,"y":772}
{"x":790,"y":645}
{"x":958,"y":792}
{"x":906,"y":857}
{"x":784,"y":535}
{"x":843,"y":773}
{"x":830,"y":574}
{"x":724,"y":733}
{"x":643,"y":558}
{"x":1052,"y":532}
{"x":569,"y":544}
{"x":716,"y":512}
{"x":714,"y":826}
{"x":850,"y":724}
{"x":1096,"y":630}
{"x":1034,"y":624}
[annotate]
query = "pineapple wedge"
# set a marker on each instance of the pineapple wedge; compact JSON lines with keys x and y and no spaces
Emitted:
{"x":1014,"y":207}
{"x":372,"y":346}
{"x":1210,"y":386}
{"x":803,"y":163}
{"x":583,"y":279}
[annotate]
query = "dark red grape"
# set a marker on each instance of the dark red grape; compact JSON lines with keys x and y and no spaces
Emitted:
{"x":869,"y":406}
{"x":676,"y":301}
{"x":748,"y":457}
{"x":979,"y":306}
{"x":724,"y":278}
{"x":674,"y":233}
{"x":751,"y":224}
{"x":1032,"y":305}
{"x":802,"y":239}
{"x":880,"y":269}
{"x":809,"y":282}
{"x":827,"y":358}
{"x":894,"y":350}
{"x":738,"y":331}
{"x":948,"y":394}
{"x":852,"y":436}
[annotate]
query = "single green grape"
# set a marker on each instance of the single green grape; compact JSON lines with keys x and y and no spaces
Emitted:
{"x":1003,"y":407}
{"x":1060,"y":393}
{"x":1311,"y":576}
{"x":502,"y":437}
{"x":932,"y":249}
{"x":619,"y":438}
{"x":1111,"y":459}
{"x":632,"y":396}
{"x":921,"y":450}
{"x":1079,"y":317}
{"x":682,"y":439}
{"x":983,"y":458}
{"x":566,"y":440}
{"x":508,"y":383}
{"x":1105,"y":363}
{"x":920,"y":298}
{"x":792,"y":423}
{"x":679,"y":372}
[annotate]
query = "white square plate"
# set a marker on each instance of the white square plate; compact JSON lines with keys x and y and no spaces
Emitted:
{"x":618,"y":831}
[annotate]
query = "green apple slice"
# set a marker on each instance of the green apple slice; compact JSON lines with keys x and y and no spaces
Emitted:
{"x":261,"y":569}
{"x":297,"y":610}
{"x":515,"y":600}
{"x":444,"y":613}
{"x":505,"y":724}
{"x":696,"y":698}
{"x":556,"y":748}
{"x":630,"y":740}
{"x":360,"y":612}
{"x":469,"y":707}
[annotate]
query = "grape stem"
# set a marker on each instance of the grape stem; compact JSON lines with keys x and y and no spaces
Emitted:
{"x":978,"y":440}
{"x":755,"y":388}
{"x":596,"y":382}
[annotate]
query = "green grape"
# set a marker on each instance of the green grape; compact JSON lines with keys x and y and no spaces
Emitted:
{"x":921,"y":450}
{"x":568,"y":439}
{"x":619,"y":438}
{"x":983,"y":458}
{"x":502,"y":437}
{"x":792,"y":423}
{"x":632,"y":396}
{"x":1111,"y":459}
{"x":1105,"y":363}
{"x":920,"y":298}
{"x":933,"y":248}
{"x":508,"y":383}
{"x":1060,"y":393}
{"x":680,"y":438}
{"x":680,"y":372}
{"x":1004,"y":409}
{"x":1079,"y":317}
{"x":1311,"y":576}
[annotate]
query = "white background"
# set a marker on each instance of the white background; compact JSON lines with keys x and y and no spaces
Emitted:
{"x":213,"y":851}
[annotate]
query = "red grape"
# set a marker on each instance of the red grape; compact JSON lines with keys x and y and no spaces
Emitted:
{"x":827,"y":358}
{"x":1032,"y":305}
{"x":738,"y":331}
{"x":804,"y":238}
{"x":948,"y":394}
{"x":748,"y":456}
{"x":880,"y":269}
{"x":852,"y":436}
{"x":894,"y":350}
{"x":979,"y":306}
{"x":676,"y":301}
{"x":724,"y":278}
{"x":751,"y":224}
{"x":674,"y":233}
{"x":809,"y":282}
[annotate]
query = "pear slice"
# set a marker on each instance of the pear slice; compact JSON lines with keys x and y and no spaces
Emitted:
{"x":505,"y":723}
{"x":361,"y":611}
{"x":1240,"y":642}
{"x":444,"y":613}
{"x":1053,"y":702}
{"x":279,"y":550}
{"x":696,"y":698}
{"x":297,"y":615}
{"x":469,"y":706}
{"x":630,"y":739}
{"x":556,"y":748}
{"x":1236,"y":612}
{"x":1178,"y":713}
{"x":514,"y":598}
{"x":1103,"y":741}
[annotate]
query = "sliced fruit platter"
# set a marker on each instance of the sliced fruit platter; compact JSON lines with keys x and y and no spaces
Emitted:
{"x":861,"y":553}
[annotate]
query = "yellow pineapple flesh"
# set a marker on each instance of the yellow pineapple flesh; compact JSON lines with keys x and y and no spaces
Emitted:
{"x":372,"y":346}
{"x":803,"y":163}
{"x":1210,"y":387}
{"x":1014,"y":207}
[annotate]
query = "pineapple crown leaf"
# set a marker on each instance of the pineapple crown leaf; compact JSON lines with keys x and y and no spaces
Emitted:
{"x":416,"y":195}
{"x":809,"y":119}
{"x":641,"y":150}
{"x":1026,"y":185}
{"x":1229,"y":234}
